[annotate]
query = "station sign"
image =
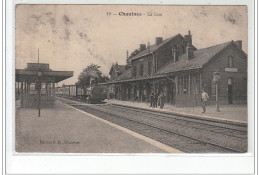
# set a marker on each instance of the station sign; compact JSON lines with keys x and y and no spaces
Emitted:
{"x":35,"y":66}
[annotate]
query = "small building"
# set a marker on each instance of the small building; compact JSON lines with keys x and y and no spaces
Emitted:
{"x":115,"y":71}
{"x":180,"y":70}
{"x":38,"y":74}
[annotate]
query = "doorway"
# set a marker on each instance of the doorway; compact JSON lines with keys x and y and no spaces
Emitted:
{"x":230,"y":91}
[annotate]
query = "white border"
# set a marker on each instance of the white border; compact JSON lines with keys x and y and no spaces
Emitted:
{"x":126,"y":163}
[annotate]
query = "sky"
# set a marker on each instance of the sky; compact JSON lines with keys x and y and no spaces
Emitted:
{"x":71,"y":37}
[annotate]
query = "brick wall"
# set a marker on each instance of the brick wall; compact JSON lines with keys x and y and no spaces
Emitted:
{"x":164,"y":54}
{"x":145,"y":62}
{"x":239,"y":78}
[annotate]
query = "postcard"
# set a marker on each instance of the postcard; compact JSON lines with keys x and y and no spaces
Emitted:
{"x":136,"y":79}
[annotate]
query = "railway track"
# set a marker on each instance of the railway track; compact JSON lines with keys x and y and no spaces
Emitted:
{"x":186,"y":134}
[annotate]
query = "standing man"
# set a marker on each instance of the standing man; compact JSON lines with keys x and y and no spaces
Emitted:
{"x":152,"y":99}
{"x":161,"y":100}
{"x":204,"y":99}
{"x":155,"y":99}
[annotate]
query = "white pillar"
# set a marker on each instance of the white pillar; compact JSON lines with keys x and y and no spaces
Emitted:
{"x":176,"y":84}
{"x":189,"y":85}
{"x":53,"y":88}
{"x":200,"y":84}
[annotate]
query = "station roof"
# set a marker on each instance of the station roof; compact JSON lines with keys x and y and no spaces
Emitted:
{"x":31,"y":73}
{"x":127,"y":77}
{"x":57,"y":76}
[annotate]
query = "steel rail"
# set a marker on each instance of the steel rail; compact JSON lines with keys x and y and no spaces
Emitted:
{"x":166,"y":130}
{"x":186,"y":118}
{"x":195,"y":122}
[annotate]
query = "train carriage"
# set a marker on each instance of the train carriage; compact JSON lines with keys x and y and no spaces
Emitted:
{"x":92,"y":94}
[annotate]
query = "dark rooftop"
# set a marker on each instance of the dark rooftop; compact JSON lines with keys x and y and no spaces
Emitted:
{"x":124,"y":76}
{"x":200,"y":57}
{"x":154,"y":47}
{"x":118,"y":68}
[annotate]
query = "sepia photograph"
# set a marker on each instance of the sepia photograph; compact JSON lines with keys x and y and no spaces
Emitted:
{"x":131,"y":79}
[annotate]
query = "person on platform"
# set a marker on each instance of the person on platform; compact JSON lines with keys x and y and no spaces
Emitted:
{"x":155,"y":100}
{"x":161,"y":100}
{"x":135,"y":99}
{"x":204,"y":99}
{"x":152,"y":99}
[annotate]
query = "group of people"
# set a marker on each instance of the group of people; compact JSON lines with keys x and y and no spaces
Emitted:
{"x":157,"y":100}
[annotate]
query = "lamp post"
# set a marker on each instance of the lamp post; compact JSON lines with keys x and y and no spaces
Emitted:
{"x":39,"y":92}
{"x":38,"y":85}
{"x":216,"y":79}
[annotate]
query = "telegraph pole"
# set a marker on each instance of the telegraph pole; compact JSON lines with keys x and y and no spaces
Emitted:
{"x":216,"y":79}
{"x":39,"y":86}
{"x":217,"y":104}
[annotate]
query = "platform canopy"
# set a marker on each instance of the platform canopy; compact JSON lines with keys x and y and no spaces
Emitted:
{"x":35,"y":70}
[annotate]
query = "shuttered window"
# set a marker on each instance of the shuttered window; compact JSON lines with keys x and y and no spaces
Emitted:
{"x":134,"y":71}
{"x":230,"y":61}
{"x":141,"y":70}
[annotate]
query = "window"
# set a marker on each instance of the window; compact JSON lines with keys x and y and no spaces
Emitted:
{"x":184,"y":50}
{"x":195,"y":83}
{"x":213,"y":88}
{"x":134,"y":71}
{"x":179,"y":50}
{"x":229,"y":81}
{"x":175,"y":52}
{"x":141,"y":73}
{"x":174,"y":48}
{"x":185,"y":84}
{"x":179,"y":84}
{"x":230,"y":61}
{"x":149,"y":67}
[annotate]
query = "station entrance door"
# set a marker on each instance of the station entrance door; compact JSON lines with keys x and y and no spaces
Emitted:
{"x":230,"y":91}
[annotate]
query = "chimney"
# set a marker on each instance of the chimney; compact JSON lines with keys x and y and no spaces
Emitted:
{"x":188,"y":38}
{"x":142,"y":47}
{"x":189,"y":51}
{"x":158,"y":40}
{"x":239,"y":43}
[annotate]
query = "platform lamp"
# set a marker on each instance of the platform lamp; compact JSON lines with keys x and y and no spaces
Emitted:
{"x":38,"y":84}
{"x":216,"y":79}
{"x":38,"y":87}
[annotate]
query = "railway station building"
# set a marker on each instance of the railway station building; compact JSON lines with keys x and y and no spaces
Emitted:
{"x":178,"y":69}
{"x":26,"y":81}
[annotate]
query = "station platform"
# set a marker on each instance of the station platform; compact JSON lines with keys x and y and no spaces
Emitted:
{"x":64,"y":129}
{"x":228,"y":113}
